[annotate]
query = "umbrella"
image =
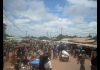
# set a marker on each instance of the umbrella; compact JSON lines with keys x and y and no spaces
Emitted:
{"x":34,"y":62}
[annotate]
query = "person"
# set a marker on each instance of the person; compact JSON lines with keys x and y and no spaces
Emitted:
{"x":48,"y":53}
{"x":45,"y":63}
{"x":3,"y":63}
{"x":25,"y":61}
{"x":93,"y":61}
{"x":17,"y":65}
{"x":78,"y":53}
{"x":38,"y":52}
{"x":4,"y":51}
{"x":81,"y":59}
{"x":41,"y":66}
{"x":19,"y":53}
{"x":75,"y":52}
{"x":54,"y":52}
{"x":59,"y":49}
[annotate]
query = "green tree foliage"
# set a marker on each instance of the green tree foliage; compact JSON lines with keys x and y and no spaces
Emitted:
{"x":44,"y":37}
{"x":4,"y":31}
{"x":59,"y":37}
{"x":89,"y":36}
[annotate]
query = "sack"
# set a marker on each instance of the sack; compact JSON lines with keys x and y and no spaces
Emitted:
{"x":65,"y":53}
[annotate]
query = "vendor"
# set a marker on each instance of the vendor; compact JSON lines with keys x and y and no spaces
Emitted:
{"x":45,"y":63}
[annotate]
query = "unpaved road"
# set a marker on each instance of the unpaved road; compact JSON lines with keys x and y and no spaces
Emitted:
{"x":70,"y":65}
{"x":58,"y":65}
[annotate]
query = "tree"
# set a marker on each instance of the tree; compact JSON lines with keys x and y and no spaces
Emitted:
{"x":74,"y":36}
{"x":44,"y":37}
{"x":4,"y":31}
{"x":66,"y":36}
{"x":59,"y":37}
{"x":89,"y":36}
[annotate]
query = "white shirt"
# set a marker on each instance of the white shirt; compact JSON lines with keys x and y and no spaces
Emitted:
{"x":48,"y":65}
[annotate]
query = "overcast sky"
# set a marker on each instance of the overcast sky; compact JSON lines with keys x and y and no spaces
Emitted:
{"x":76,"y":17}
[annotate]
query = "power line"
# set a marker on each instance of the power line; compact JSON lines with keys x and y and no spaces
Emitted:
{"x":11,"y":21}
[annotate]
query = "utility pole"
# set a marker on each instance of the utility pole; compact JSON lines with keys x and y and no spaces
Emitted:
{"x":61,"y":30}
{"x":47,"y":33}
{"x":26,"y":33}
{"x":50,"y":37}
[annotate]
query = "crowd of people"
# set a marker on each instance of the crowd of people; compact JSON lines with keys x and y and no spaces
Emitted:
{"x":28,"y":50}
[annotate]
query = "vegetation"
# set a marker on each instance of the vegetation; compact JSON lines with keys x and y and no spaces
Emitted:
{"x":89,"y":36}
{"x":59,"y":37}
{"x":44,"y":37}
{"x":4,"y":31}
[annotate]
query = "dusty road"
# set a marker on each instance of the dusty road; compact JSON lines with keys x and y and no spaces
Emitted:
{"x":71,"y":65}
{"x":58,"y":65}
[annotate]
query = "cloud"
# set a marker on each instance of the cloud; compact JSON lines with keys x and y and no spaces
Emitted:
{"x":54,"y":28}
{"x":87,"y":3}
{"x":79,"y":10}
{"x":59,"y":8}
{"x":78,"y":20}
{"x":34,"y":10}
{"x":33,"y":16}
{"x":22,"y":21}
{"x":84,"y":8}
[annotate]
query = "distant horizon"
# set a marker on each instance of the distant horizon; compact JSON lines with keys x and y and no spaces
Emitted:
{"x":48,"y":37}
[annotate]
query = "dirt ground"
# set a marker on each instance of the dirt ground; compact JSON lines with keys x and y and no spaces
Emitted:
{"x":58,"y":65}
{"x":70,"y":65}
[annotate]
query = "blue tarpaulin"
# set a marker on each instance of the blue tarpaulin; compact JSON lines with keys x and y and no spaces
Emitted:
{"x":34,"y":62}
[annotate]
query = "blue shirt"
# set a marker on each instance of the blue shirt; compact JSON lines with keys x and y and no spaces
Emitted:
{"x":54,"y":49}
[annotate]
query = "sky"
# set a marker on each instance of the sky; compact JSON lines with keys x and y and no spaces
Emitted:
{"x":37,"y":17}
